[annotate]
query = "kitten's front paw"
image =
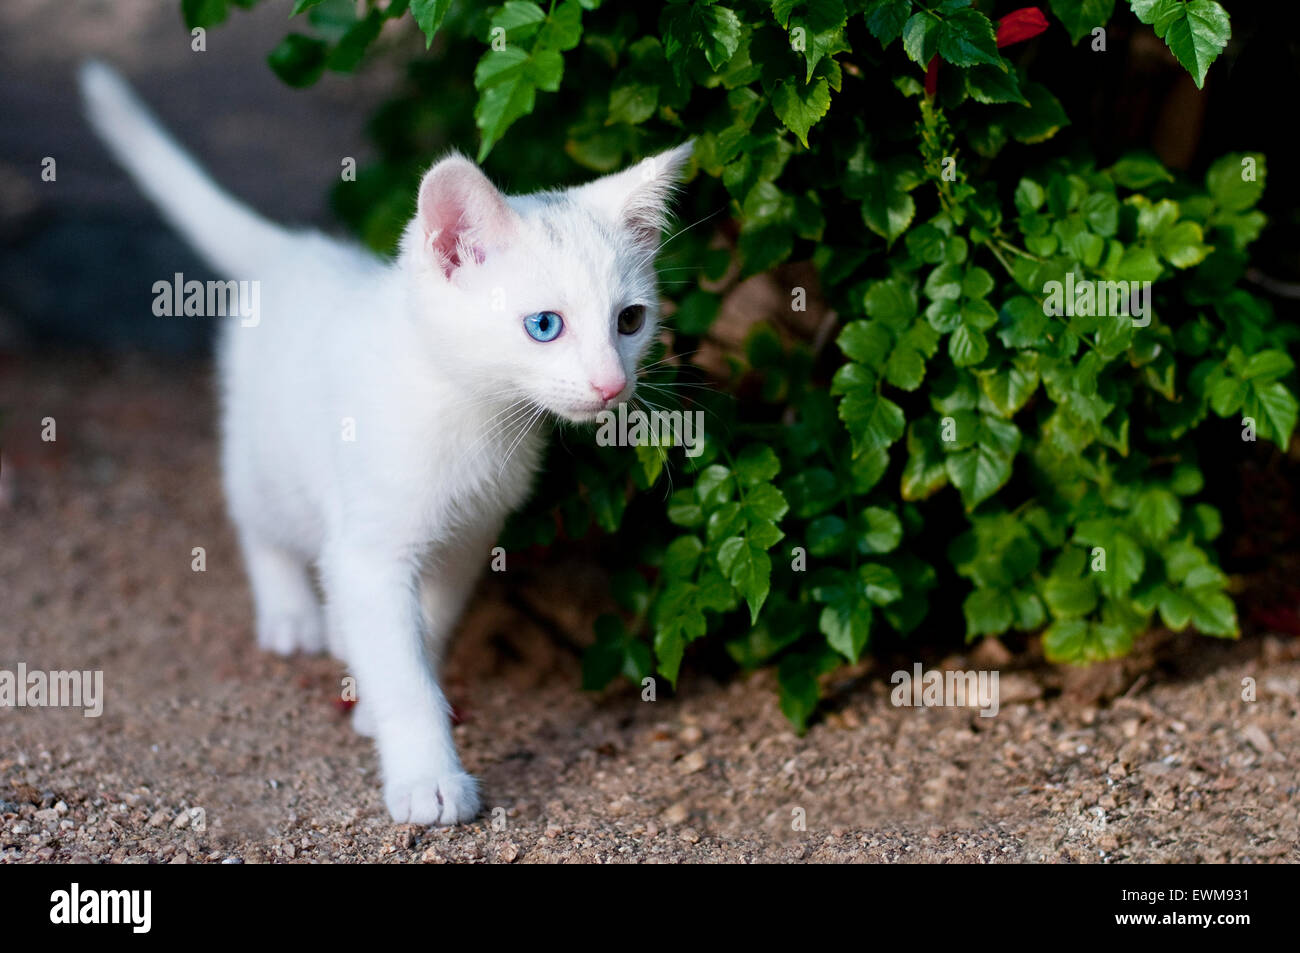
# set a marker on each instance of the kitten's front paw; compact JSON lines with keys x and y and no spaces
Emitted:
{"x":450,"y":798}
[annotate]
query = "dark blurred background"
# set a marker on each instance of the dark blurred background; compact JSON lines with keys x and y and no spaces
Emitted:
{"x":80,"y":253}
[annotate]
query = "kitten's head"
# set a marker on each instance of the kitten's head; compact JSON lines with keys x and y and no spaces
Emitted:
{"x":549,"y":297}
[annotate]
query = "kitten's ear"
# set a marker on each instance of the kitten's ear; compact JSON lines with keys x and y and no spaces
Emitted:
{"x":461,"y":215}
{"x":638,"y":197}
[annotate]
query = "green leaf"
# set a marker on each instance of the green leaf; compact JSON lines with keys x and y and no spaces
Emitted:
{"x":888,"y":213}
{"x":988,"y":84}
{"x":1124,"y":556}
{"x":905,"y":368}
{"x":1267,"y":365}
{"x":1138,"y":263}
{"x":921,"y":37}
{"x":891,"y":302}
{"x":881,"y":531}
{"x":867,"y":468}
{"x":682,"y":556}
{"x":1196,"y":31}
{"x":1069,"y":598}
{"x":714,"y":486}
{"x":748,"y":568}
{"x":429,"y":15}
{"x":351,"y":48}
{"x":967,"y":346}
{"x":1213,"y":613}
{"x":798,"y":690}
{"x":1066,"y":641}
{"x":765,"y":502}
{"x":563,"y":27}
{"x":1204,"y":606}
{"x":966,"y":38}
{"x":506,"y":92}
{"x":1024,"y":323}
{"x":696,"y":312}
{"x":727,"y":520}
{"x":886,"y":18}
{"x":812,"y":492}
{"x":520,"y":19}
{"x":925,"y":472}
{"x":846,"y":622}
{"x":685,"y":512}
{"x":822,"y":24}
{"x":756,"y":464}
{"x":1181,"y":245}
{"x":988,"y":612}
{"x":1274,"y":409}
{"x":882,"y":185}
{"x":1236,"y":181}
{"x":607,"y":505}
{"x":1029,"y":196}
{"x":298,"y":60}
{"x":1139,"y":170}
{"x":874,"y":420}
{"x":980,"y":471}
{"x":633,"y":102}
{"x":678,"y":620}
{"x":977,"y":283}
{"x":867,"y":342}
{"x":1042,"y":119}
{"x":1101,"y":211}
{"x":1156,"y":511}
{"x":1227,"y":395}
{"x":604,"y":660}
{"x":1081,"y":16}
{"x":205,"y":14}
{"x":799,"y":106}
{"x":1010,"y":387}
{"x":713,"y":29}
{"x":827,"y":535}
{"x":880,"y":583}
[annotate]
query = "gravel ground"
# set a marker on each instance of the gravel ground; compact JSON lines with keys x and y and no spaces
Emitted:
{"x":210,"y":751}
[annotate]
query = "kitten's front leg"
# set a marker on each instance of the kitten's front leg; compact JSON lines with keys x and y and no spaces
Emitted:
{"x":373,"y":598}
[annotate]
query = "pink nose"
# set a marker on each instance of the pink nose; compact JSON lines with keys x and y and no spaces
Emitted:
{"x":609,"y":388}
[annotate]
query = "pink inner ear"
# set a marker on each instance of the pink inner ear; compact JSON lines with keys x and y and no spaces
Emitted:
{"x":461,"y":213}
{"x":443,"y":218}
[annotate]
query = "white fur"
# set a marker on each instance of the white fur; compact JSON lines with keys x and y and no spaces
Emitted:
{"x":448,"y":395}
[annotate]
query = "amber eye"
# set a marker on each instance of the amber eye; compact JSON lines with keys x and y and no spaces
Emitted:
{"x":631,"y":318}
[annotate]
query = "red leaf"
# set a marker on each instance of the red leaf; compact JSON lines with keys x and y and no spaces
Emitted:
{"x":932,"y":77}
{"x":1020,"y":25}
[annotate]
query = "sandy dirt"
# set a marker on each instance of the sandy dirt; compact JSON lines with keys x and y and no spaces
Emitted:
{"x":209,"y":750}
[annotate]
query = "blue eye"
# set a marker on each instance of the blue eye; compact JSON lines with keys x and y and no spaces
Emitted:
{"x":544,"y":326}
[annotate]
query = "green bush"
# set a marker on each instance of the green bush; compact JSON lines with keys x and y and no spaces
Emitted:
{"x":963,"y":432}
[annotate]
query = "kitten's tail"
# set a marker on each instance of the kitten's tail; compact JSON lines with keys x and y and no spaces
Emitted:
{"x":234,"y":239}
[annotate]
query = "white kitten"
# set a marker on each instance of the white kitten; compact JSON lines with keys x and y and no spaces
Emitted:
{"x":381,"y":419}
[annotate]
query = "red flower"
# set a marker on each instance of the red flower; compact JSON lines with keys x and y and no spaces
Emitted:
{"x":932,"y":77}
{"x":1020,"y":25}
{"x":1016,"y":27}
